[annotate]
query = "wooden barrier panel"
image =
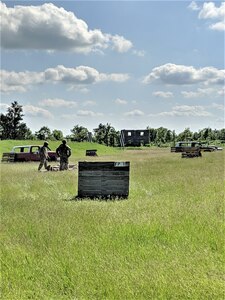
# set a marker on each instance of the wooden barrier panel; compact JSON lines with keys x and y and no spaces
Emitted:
{"x":91,"y":152}
{"x":191,"y":153}
{"x":103,"y":179}
{"x":8,"y":157}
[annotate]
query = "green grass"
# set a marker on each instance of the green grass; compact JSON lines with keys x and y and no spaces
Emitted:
{"x":78,"y":149}
{"x":164,"y":242}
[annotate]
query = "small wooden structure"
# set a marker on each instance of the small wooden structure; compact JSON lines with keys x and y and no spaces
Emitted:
{"x":134,"y":137}
{"x":103,"y":179}
{"x":192,"y":152}
{"x":8,"y":157}
{"x":91,"y":152}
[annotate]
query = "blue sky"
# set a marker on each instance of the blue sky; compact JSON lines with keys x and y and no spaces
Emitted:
{"x":129,"y":63}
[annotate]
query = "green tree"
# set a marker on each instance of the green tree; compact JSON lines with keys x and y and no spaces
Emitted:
{"x":163,"y":135}
{"x":152,"y":134}
{"x":221,"y":134}
{"x":196,"y":136}
{"x":44,"y":133}
{"x":79,"y":133}
{"x":205,"y":134}
{"x":185,"y":135}
{"x":11,"y":125}
{"x":107,"y":135}
{"x":57,"y":134}
{"x":24,"y":133}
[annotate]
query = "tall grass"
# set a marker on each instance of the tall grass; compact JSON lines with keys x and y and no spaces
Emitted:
{"x":164,"y":242}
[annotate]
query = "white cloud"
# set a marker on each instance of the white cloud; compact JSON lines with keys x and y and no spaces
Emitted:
{"x":219,"y":26}
{"x":35,"y":111}
{"x":185,"y":110}
{"x":182,"y":75}
{"x":120,"y":101}
{"x":134,"y":113}
{"x":140,"y":53}
{"x":193,"y":6}
{"x":89,"y":103}
{"x":88,"y":113}
{"x":114,"y":77}
{"x":82,"y":75}
{"x":209,"y":11}
{"x":57,"y":103}
{"x":18,"y":82}
{"x":162,"y":94}
{"x":48,"y":27}
{"x":221,"y":92}
{"x":120,"y":44}
{"x":198,"y":93}
{"x":218,"y":106}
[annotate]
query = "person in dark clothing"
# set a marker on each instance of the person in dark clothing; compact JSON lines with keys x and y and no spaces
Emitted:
{"x":44,"y":157}
{"x":64,"y":152}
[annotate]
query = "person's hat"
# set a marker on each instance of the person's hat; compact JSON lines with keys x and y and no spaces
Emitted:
{"x":45,"y":143}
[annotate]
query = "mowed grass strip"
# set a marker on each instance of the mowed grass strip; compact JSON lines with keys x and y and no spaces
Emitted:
{"x":164,"y":242}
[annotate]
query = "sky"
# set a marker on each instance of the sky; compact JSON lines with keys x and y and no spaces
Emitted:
{"x":132,"y":64}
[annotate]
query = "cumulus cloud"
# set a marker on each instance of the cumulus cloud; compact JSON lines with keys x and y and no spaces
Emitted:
{"x":185,"y":110}
{"x":120,"y":101}
{"x":193,"y":6}
{"x":201,"y":92}
{"x":57,"y":103}
{"x":181,"y":75}
{"x":18,"y":82}
{"x":120,"y":44}
{"x":218,"y":106}
{"x":134,"y":113}
{"x":88,"y":113}
{"x":82,"y":75}
{"x":140,"y":53}
{"x":209,"y":11}
{"x":48,"y":27}
{"x":219,"y":26}
{"x":162,"y":94}
{"x":198,"y":93}
{"x":35,"y":111}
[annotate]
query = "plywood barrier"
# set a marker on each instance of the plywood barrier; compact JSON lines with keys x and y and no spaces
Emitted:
{"x":103,"y":179}
{"x":91,"y":152}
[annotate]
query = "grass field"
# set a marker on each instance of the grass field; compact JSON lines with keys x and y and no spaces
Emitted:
{"x":166,"y":241}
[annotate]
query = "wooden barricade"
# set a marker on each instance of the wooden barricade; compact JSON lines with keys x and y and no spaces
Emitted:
{"x":191,"y":152}
{"x":91,"y":152}
{"x":8,"y":157}
{"x":103,"y":179}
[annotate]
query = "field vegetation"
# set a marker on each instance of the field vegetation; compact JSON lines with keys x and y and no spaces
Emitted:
{"x":164,"y":242}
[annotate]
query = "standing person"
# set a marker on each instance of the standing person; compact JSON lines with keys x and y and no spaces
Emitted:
{"x":64,"y":152}
{"x":44,"y":156}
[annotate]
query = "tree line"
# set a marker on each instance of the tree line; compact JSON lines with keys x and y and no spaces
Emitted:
{"x":12,"y":127}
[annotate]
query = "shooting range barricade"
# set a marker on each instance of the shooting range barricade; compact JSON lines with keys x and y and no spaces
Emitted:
{"x":8,"y":157}
{"x":103,"y":179}
{"x":91,"y":152}
{"x":191,"y":153}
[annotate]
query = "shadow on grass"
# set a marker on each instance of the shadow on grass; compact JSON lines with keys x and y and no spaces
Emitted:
{"x":98,"y":198}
